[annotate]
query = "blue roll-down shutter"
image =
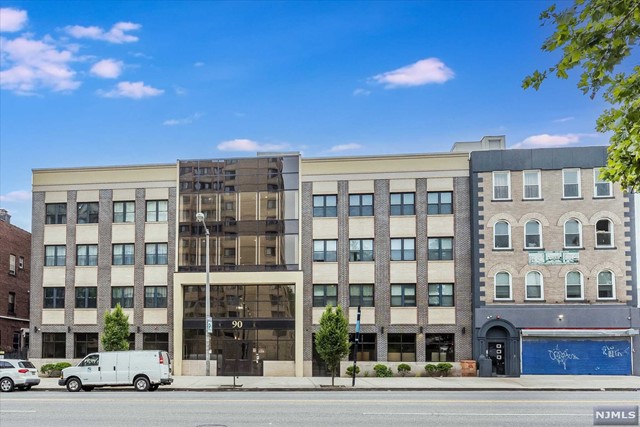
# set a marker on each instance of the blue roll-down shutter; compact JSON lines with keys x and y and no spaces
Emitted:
{"x":579,"y":356}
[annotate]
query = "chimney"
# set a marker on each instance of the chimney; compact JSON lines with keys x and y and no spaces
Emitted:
{"x":4,"y":216}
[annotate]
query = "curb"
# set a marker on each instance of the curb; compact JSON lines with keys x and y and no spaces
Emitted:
{"x":351,"y":389}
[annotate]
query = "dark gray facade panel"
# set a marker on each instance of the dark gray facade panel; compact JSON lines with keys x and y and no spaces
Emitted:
{"x":540,"y":158}
{"x":306,"y":246}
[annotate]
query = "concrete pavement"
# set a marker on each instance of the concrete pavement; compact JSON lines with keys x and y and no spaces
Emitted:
{"x":525,"y":382}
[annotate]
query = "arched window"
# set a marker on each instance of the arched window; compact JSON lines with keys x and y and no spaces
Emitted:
{"x":533,"y":284}
{"x":502,"y":235}
{"x":572,"y":234}
{"x":532,"y":235}
{"x":503,"y":286}
{"x":573,"y":285}
{"x":604,"y":233}
{"x":606,"y":285}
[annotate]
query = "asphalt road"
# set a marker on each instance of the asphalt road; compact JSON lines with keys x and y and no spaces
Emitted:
{"x":309,"y":408}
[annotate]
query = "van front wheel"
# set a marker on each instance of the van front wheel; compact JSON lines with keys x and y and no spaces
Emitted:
{"x":141,"y":384}
{"x":74,"y":384}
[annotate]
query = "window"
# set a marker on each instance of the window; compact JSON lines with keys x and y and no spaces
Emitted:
{"x":440,"y":248}
{"x":56,"y":213}
{"x":533,"y":284}
{"x":366,"y":347}
{"x":503,"y":286}
{"x":124,"y":212}
{"x":122,"y":295}
{"x":324,"y":295}
{"x":21,"y":263}
{"x":403,"y":249}
{"x":155,"y":297}
{"x":157,"y":210}
{"x":403,"y":204}
{"x":401,"y":348}
{"x":606,"y":285}
{"x":532,"y":235}
{"x":54,"y":297}
{"x":12,"y":264}
{"x":439,"y":347}
{"x":573,"y":285}
{"x":440,"y":294}
{"x":54,"y":345}
{"x":155,"y":341}
{"x":123,"y":254}
{"x":572,"y":234}
{"x":325,"y":206}
{"x":502,"y":235}
{"x":55,"y":255}
{"x":325,"y":250}
{"x":501,"y":185}
{"x":84,"y":344}
{"x":156,"y":253}
{"x":88,"y":213}
{"x":86,"y":255}
{"x":531,"y":185}
{"x":11,"y":306}
{"x":571,"y":183}
{"x":361,"y":205}
{"x":602,"y":188}
{"x":604,"y":233}
{"x":361,"y":250}
{"x":361,"y":295}
{"x":439,"y":203}
{"x":86,"y":297}
{"x":403,"y":295}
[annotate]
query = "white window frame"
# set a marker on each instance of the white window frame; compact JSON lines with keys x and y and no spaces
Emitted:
{"x":564,"y":236}
{"x":596,"y":181}
{"x":493,"y":187}
{"x":526,"y":286}
{"x":539,"y":234}
{"x":577,"y":170}
{"x":12,"y":264}
{"x":524,"y":187}
{"x":495,"y":247}
{"x":566,"y":295}
{"x":611,"y":232}
{"x":613,"y":286}
{"x":495,"y":287}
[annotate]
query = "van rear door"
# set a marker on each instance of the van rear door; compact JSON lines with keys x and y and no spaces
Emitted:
{"x":165,"y":365}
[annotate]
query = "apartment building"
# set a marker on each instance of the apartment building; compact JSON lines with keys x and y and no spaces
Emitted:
{"x":555,"y":285}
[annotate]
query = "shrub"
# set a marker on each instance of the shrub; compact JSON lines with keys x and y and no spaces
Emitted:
{"x":54,"y":369}
{"x":404,"y":369}
{"x":431,"y":369}
{"x":350,"y":370}
{"x":444,"y":368}
{"x":383,"y":370}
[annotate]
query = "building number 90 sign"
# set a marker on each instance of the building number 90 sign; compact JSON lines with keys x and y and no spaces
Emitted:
{"x":236,"y":324}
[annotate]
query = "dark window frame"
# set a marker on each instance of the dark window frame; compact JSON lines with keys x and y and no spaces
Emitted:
{"x":440,"y":254}
{"x":126,"y":215}
{"x":406,"y":343}
{"x":118,"y":297}
{"x":54,"y":345}
{"x":437,"y":296}
{"x":84,"y":343}
{"x":86,"y":258}
{"x":438,"y":206}
{"x":325,"y":298}
{"x":88,"y":212}
{"x":53,"y":297}
{"x":405,"y":300}
{"x":57,"y":259}
{"x":360,"y":254}
{"x":156,"y":214}
{"x":120,"y":257}
{"x":357,"y":296}
{"x":156,"y":299}
{"x":404,"y":253}
{"x":358,"y":206}
{"x":323,"y":210}
{"x":86,"y":297}
{"x":56,"y":213}
{"x":442,"y":344}
{"x":325,"y":255}
{"x":402,"y":206}
{"x":155,"y":257}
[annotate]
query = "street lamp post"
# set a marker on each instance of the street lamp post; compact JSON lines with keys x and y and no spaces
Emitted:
{"x":208,"y":322}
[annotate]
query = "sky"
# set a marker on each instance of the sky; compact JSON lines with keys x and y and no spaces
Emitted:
{"x":99,"y":83}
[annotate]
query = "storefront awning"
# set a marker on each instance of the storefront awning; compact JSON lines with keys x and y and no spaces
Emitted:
{"x":581,"y":333}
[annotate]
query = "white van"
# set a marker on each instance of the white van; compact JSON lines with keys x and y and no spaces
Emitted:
{"x":144,"y":369}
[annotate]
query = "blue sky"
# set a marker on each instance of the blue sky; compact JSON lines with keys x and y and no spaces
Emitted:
{"x":110,"y":83}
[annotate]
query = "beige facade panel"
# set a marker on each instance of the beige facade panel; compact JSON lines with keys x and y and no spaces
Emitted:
{"x":55,"y":197}
{"x":440,"y":226}
{"x":156,"y":232}
{"x":195,"y":367}
{"x":122,"y":275}
{"x":53,"y":276}
{"x":55,"y":234}
{"x":279,"y":368}
{"x":367,"y":315}
{"x":356,"y":187}
{"x":328,"y":187}
{"x":155,"y":274}
{"x":316,"y":314}
{"x":86,"y":234}
{"x":361,"y":227}
{"x":157,"y":193}
{"x":403,"y":271}
{"x":402,"y":226}
{"x":88,"y":196}
{"x":402,"y":185}
{"x":441,"y":315}
{"x":123,"y":233}
{"x":154,"y":316}
{"x":440,"y":184}
{"x":325,"y":228}
{"x":325,"y":272}
{"x":362,"y":272}
{"x":441,"y":272}
{"x":124,"y":195}
{"x":403,"y":316}
{"x":105,"y":177}
{"x":86,"y":276}
{"x":85,"y":316}
{"x":52,"y":317}
{"x":129,"y":312}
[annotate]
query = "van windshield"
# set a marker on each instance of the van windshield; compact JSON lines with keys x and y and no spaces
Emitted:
{"x":90,"y":360}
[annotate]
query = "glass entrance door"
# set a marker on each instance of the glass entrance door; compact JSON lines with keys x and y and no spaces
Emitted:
{"x":239,"y":358}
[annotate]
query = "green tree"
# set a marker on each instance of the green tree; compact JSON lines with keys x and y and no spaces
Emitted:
{"x":116,"y":330}
{"x":596,"y":36}
{"x":332,"y":338}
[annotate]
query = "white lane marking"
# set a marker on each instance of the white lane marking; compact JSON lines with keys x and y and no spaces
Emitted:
{"x":16,"y":412}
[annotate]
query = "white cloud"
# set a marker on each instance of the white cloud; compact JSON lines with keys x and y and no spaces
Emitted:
{"x":180,"y":90}
{"x":15,"y":196}
{"x":563,"y":119}
{"x":135,"y":90}
{"x":35,"y":64}
{"x":107,"y":69}
{"x":12,"y":20}
{"x":248,"y":145}
{"x":425,"y":71}
{"x":198,"y":64}
{"x":361,"y":92}
{"x":546,"y":140}
{"x":345,"y":147}
{"x":184,"y":121}
{"x":117,"y":34}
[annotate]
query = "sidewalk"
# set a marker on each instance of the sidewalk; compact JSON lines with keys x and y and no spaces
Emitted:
{"x":526,"y":382}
